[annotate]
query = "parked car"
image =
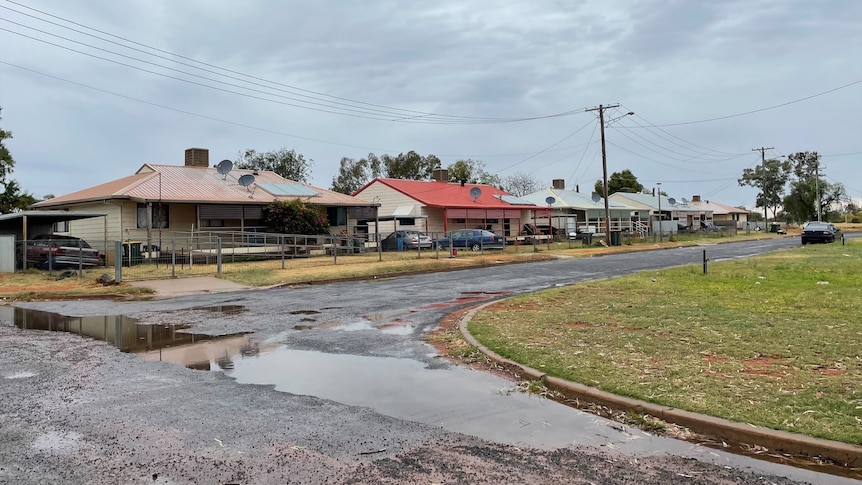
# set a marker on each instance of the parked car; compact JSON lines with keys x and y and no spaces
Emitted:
{"x":58,"y":251}
{"x":409,"y":240}
{"x":824,"y":232}
{"x":472,"y":239}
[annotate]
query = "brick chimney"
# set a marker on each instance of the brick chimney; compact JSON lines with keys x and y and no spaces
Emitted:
{"x":440,"y":175}
{"x":558,"y":184}
{"x":197,"y":157}
{"x":695,"y":198}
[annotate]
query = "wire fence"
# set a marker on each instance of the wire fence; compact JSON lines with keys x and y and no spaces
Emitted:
{"x":219,"y":252}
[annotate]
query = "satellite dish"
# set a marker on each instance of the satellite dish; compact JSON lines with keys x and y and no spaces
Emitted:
{"x":671,"y":201}
{"x":685,"y":201}
{"x":596,"y":197}
{"x":550,"y":200}
{"x":246,"y":180}
{"x":224,"y":167}
{"x":475,"y":193}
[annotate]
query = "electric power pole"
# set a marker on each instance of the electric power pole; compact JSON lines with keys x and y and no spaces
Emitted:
{"x":601,"y":109}
{"x":762,"y":151}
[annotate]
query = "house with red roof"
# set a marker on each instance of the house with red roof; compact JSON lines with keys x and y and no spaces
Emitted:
{"x":436,"y":206}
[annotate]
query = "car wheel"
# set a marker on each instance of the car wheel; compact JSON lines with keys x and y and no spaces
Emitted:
{"x":475,"y":247}
{"x":440,"y":247}
{"x":804,"y":242}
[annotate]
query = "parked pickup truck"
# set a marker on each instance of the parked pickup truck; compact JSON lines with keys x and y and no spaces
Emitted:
{"x":56,"y":251}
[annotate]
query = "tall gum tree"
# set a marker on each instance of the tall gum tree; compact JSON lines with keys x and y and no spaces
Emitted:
{"x":771,"y":178}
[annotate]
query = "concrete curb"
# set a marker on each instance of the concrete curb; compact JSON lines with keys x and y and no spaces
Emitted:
{"x":844,"y":454}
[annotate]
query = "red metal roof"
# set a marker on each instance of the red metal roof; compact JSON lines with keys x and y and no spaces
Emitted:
{"x":451,"y":195}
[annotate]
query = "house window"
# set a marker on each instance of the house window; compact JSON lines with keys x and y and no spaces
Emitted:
{"x":337,"y":216}
{"x":61,"y":226}
{"x":160,"y":216}
{"x":212,"y":222}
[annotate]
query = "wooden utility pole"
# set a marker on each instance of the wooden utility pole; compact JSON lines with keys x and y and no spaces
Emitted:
{"x":762,"y":151}
{"x":601,"y":109}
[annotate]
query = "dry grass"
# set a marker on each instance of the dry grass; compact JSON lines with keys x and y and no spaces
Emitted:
{"x":40,"y":285}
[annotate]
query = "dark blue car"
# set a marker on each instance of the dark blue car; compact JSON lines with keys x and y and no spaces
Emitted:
{"x":472,"y":239}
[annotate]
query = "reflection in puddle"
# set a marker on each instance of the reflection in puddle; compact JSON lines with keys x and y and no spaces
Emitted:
{"x":377,"y":382}
{"x":166,"y":343}
{"x":226,"y":309}
{"x":398,"y":327}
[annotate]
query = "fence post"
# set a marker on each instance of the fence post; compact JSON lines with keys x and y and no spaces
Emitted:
{"x":218,"y":255}
{"x":282,"y":251}
{"x":334,"y":250}
{"x":118,"y":261}
{"x":173,"y":258}
{"x":80,"y":260}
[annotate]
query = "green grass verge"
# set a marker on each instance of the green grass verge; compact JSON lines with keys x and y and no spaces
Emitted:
{"x":774,"y":341}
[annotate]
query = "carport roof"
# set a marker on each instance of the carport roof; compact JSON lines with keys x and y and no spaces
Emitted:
{"x":50,"y":216}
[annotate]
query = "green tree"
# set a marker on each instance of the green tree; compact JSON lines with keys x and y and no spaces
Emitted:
{"x":287,"y":163}
{"x":410,"y":166}
{"x":771,"y":178}
{"x":624,"y":181}
{"x":353,"y":174}
{"x":472,"y":171}
{"x":520,"y":184}
{"x":295,"y":217}
{"x":810,"y":194}
{"x":12,"y":198}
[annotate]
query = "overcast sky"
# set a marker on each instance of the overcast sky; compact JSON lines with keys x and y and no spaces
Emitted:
{"x":708,"y":82}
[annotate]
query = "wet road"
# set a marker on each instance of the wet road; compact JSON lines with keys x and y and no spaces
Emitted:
{"x":357,"y":346}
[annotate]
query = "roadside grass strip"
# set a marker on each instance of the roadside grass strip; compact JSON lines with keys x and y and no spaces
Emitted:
{"x":773,"y":341}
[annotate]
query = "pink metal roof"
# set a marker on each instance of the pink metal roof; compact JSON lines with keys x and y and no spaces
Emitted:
{"x":182,"y":184}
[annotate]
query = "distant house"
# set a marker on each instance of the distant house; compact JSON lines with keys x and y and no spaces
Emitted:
{"x":573,"y":211}
{"x":722,"y":214}
{"x":160,"y":202}
{"x":436,"y":206}
{"x":673,"y":214}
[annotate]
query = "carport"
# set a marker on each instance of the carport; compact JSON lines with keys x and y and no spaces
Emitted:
{"x":24,"y":225}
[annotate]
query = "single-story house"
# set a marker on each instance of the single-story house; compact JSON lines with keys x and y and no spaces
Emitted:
{"x":160,"y":202}
{"x":436,"y":206}
{"x":672,"y":213}
{"x":573,"y":211}
{"x":722,"y":214}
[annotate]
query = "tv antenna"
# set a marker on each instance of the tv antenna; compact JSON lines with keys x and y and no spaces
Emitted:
{"x":596,"y":197}
{"x":685,"y":201}
{"x":671,"y":201}
{"x":550,"y":200}
{"x":224,"y":167}
{"x":475,"y":193}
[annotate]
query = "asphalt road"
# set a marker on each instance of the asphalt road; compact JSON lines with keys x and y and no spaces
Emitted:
{"x":340,"y":389}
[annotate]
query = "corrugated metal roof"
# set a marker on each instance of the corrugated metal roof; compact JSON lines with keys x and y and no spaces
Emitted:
{"x":182,"y":184}
{"x":451,"y":195}
{"x":570,"y":199}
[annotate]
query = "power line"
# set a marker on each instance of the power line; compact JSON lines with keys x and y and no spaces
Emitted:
{"x":759,"y":110}
{"x":658,"y":132}
{"x":399,"y":114}
{"x":190,"y":113}
{"x":534,"y":155}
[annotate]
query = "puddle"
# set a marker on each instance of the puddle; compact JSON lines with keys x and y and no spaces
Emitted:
{"x":304,"y":312}
{"x":226,"y":309}
{"x":397,"y":327}
{"x":167,"y":343}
